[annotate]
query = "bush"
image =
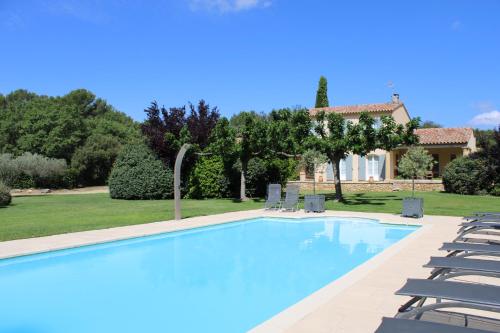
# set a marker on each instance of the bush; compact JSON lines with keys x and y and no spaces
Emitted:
{"x":31,"y":170}
{"x":465,"y":175}
{"x":208,"y":179}
{"x":8,"y":170}
{"x":70,"y":178}
{"x":138,"y":174}
{"x":256,"y":177}
{"x":5,"y":197}
{"x":495,"y":191}
{"x":94,"y":160}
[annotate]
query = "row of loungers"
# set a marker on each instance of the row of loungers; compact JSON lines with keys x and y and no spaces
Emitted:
{"x":470,"y":254}
{"x":274,"y":201}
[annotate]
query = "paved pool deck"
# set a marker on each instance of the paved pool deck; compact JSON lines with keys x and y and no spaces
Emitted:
{"x":354,"y":303}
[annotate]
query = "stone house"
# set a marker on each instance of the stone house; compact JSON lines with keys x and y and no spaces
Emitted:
{"x":445,"y":144}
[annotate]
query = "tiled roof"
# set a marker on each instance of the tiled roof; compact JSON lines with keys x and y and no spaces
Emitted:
{"x":379,"y":107}
{"x":436,"y":136}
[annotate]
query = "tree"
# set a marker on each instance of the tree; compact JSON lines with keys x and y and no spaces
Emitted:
{"x":57,"y":127}
{"x":415,"y":164}
{"x":274,"y":139}
{"x":310,"y":160}
{"x":488,"y":142}
{"x":430,"y":124}
{"x":252,"y":141}
{"x":337,"y":138}
{"x":167,"y":129}
{"x":93,"y":161}
{"x":322,"y":93}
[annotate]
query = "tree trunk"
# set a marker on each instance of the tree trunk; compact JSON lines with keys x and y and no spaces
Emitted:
{"x":336,"y":176}
{"x":243,"y":187}
{"x":413,"y":187}
{"x":314,"y":179}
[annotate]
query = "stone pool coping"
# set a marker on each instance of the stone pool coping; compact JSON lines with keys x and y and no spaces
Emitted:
{"x":355,"y":302}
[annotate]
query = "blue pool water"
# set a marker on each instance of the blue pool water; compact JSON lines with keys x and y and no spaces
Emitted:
{"x":227,"y":278}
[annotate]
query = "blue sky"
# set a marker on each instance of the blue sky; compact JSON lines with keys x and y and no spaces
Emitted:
{"x":442,"y":56}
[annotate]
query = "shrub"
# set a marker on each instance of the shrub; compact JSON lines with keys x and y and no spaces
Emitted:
{"x":495,"y":191}
{"x":5,"y":197}
{"x":138,"y":174}
{"x":465,"y":175}
{"x":70,"y":178}
{"x":31,"y":170}
{"x":256,"y":177}
{"x":208,"y":179}
{"x":95,"y":158}
{"x":9,"y":173}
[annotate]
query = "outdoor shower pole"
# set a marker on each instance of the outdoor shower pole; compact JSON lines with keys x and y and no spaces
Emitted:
{"x":177,"y":179}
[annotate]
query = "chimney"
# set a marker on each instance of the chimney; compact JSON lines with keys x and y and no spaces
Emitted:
{"x":395,"y":98}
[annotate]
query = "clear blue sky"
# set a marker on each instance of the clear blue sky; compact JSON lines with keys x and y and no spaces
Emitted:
{"x":442,"y":56}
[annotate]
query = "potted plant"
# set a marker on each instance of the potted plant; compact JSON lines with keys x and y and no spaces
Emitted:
{"x":414,"y":164}
{"x":311,"y":159}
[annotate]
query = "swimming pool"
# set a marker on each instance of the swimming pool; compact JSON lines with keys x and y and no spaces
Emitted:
{"x":224,"y":278}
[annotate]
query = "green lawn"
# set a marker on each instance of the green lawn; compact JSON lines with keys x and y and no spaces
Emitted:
{"x":33,"y":216}
{"x":435,"y":203}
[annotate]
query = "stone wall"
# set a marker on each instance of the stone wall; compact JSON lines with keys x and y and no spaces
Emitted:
{"x":383,"y":186}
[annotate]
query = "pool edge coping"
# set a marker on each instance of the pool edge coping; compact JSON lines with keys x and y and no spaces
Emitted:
{"x":38,"y":245}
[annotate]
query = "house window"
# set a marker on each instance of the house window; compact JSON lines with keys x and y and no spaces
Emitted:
{"x":452,"y":157}
{"x":372,"y":167}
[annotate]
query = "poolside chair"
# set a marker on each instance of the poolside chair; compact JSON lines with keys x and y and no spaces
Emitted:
{"x":478,"y":228}
{"x":461,"y":249}
{"x":398,"y":325}
{"x":457,"y":294}
{"x":482,"y":215}
{"x":452,"y":267}
{"x":273,"y":200}
{"x":291,"y":202}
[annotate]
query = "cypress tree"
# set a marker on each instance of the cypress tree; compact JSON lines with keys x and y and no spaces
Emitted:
{"x":322,"y":93}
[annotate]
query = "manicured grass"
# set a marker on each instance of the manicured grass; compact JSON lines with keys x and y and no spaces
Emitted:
{"x":435,"y":203}
{"x":34,"y":216}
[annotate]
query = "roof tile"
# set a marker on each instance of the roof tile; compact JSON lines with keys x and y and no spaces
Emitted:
{"x":436,"y":136}
{"x":358,"y":108}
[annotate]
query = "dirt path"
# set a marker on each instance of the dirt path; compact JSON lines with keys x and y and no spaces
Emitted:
{"x":82,"y":190}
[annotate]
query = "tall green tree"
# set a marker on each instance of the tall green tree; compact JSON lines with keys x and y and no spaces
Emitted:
{"x":252,"y":141}
{"x":59,"y":126}
{"x":337,"y":138}
{"x":322,"y":93}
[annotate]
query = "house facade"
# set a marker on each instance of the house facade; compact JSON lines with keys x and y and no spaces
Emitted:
{"x":444,"y":144}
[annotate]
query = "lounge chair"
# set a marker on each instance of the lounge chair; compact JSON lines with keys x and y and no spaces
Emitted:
{"x":398,"y":325}
{"x":291,"y":202}
{"x":462,"y":249}
{"x":478,"y":228}
{"x":458,"y":294}
{"x":451,"y":267}
{"x":482,"y":215}
{"x":273,"y":200}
